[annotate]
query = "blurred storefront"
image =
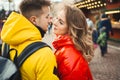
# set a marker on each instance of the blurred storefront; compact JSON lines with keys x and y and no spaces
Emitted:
{"x":113,"y":9}
{"x":91,"y":8}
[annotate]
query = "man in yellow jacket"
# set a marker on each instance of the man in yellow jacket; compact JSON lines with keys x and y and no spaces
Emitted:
{"x":20,"y":30}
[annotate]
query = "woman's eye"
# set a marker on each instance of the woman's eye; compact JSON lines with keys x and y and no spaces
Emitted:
{"x":60,"y":22}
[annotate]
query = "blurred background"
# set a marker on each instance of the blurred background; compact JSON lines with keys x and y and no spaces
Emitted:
{"x":91,"y":8}
{"x":102,"y":68}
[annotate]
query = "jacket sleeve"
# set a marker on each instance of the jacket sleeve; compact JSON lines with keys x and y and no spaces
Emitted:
{"x":46,"y":65}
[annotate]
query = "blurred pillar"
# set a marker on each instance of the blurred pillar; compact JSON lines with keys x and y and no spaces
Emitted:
{"x":9,"y":3}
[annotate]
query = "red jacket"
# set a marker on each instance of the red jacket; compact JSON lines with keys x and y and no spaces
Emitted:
{"x":71,"y":63}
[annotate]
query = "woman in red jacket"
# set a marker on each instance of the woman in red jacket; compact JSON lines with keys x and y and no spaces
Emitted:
{"x":71,"y":29}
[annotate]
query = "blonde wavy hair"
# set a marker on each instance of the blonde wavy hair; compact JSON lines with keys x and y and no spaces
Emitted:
{"x":78,"y":29}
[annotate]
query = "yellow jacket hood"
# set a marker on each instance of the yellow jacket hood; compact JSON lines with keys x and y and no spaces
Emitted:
{"x":18,"y":29}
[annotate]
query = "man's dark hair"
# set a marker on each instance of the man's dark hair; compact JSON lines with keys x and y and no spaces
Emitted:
{"x":29,"y":6}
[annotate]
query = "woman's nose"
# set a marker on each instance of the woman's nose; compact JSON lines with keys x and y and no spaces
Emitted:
{"x":55,"y":21}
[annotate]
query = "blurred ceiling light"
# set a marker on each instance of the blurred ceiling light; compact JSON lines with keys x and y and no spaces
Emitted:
{"x":104,"y":4}
{"x":95,"y":2}
{"x":99,"y":2}
{"x":111,"y":12}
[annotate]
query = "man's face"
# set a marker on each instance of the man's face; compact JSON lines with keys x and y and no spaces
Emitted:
{"x":43,"y":19}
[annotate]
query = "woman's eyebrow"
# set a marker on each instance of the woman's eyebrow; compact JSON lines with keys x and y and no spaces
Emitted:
{"x":61,"y":20}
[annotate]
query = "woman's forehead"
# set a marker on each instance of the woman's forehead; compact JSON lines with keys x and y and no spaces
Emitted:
{"x":61,"y":14}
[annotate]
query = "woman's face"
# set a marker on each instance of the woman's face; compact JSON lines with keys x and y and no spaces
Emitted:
{"x":59,"y":24}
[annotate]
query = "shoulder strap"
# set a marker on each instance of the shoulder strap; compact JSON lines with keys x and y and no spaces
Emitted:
{"x":30,"y":49}
{"x":5,"y":50}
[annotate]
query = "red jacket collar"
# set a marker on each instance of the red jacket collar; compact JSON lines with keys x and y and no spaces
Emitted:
{"x":61,"y":41}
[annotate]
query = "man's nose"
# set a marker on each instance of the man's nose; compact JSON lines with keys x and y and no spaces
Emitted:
{"x":50,"y":21}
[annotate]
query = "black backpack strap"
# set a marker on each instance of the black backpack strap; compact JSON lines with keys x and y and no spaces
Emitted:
{"x":29,"y":50}
{"x":5,"y":51}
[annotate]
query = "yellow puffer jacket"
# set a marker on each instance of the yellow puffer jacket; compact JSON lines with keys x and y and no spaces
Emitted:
{"x":18,"y":32}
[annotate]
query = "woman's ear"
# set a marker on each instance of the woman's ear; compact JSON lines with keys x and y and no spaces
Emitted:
{"x":33,"y":19}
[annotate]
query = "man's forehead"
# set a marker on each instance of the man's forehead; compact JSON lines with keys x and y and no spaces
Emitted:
{"x":45,"y":11}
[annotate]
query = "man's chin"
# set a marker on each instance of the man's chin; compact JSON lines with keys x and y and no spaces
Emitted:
{"x":46,"y":30}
